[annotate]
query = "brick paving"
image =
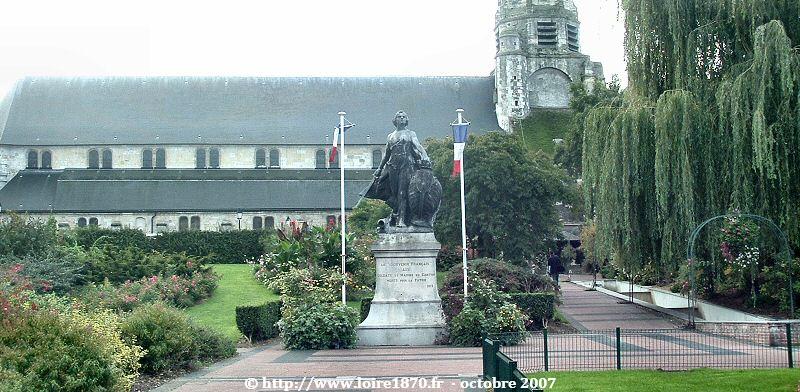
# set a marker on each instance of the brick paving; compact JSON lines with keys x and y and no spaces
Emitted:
{"x":594,"y":311}
{"x":450,"y":366}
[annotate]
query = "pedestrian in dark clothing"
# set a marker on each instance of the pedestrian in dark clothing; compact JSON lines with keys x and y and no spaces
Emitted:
{"x":554,"y":267}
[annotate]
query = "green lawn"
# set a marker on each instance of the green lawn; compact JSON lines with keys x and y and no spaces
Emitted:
{"x":542,"y":126}
{"x":705,"y":380}
{"x":236,"y":287}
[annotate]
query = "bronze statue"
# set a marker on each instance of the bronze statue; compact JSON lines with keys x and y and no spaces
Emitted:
{"x":405,"y":181}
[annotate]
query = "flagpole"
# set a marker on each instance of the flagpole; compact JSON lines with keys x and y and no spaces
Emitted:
{"x":341,"y":196}
{"x":463,"y":213}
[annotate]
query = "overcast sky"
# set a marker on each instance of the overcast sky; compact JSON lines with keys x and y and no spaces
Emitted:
{"x":270,"y":38}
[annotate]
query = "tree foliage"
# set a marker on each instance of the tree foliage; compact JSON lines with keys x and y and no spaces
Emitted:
{"x":709,"y":124}
{"x":510,"y":195}
{"x":568,"y":154}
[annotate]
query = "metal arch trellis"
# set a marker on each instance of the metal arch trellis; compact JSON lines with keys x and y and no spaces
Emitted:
{"x":690,"y":255}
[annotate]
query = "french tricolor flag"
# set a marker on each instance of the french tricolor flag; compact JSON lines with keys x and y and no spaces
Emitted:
{"x":459,"y":141}
{"x":335,"y":148}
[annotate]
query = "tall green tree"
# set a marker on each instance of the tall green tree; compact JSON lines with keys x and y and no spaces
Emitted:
{"x":511,"y":194}
{"x":710,"y":123}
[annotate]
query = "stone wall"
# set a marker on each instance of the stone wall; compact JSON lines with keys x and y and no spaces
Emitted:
{"x":767,"y":334}
{"x":152,"y":223}
{"x":14,"y":158}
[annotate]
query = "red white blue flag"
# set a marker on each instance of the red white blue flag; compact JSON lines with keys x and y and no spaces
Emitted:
{"x":335,"y":148}
{"x":459,"y":141}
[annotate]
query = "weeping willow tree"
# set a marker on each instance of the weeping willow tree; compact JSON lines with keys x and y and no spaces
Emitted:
{"x":710,"y":124}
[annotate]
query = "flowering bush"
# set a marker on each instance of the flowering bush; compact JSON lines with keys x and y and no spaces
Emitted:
{"x":318,"y":326}
{"x":176,"y":290}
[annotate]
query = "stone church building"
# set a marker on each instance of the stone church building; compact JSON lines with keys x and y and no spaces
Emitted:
{"x":186,"y":153}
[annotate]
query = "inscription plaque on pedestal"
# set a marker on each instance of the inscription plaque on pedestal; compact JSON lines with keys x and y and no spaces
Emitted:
{"x":406,"y":308}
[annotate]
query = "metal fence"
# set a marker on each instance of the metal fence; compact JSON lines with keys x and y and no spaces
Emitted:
{"x":667,"y":349}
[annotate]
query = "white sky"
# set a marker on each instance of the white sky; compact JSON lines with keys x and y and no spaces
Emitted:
{"x":270,"y":38}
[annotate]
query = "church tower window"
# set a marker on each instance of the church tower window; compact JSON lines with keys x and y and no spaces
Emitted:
{"x":33,"y":159}
{"x":200,"y":158}
{"x":147,"y":159}
{"x":320,"y":159}
{"x":94,"y":159}
{"x":274,"y":158}
{"x":47,"y":160}
{"x":108,"y":159}
{"x":213,"y":158}
{"x":261,"y":158}
{"x":572,"y":38}
{"x":161,"y":159}
{"x":546,"y":34}
{"x":377,"y":157}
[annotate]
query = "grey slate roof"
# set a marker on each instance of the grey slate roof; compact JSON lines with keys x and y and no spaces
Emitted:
{"x":98,"y":191}
{"x":241,"y":110}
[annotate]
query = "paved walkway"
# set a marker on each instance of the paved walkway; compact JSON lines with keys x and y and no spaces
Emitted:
{"x":593,"y":311}
{"x":261,"y":369}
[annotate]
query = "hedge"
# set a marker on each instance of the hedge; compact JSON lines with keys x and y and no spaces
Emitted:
{"x":220,"y":247}
{"x":217,"y":247}
{"x":258,"y":322}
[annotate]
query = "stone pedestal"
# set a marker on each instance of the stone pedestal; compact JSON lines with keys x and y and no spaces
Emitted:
{"x":406,"y":309}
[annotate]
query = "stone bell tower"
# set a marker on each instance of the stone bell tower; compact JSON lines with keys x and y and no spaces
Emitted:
{"x":538,"y":57}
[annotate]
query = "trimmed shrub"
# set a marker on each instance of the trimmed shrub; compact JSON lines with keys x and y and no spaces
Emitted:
{"x":172,"y":341}
{"x":536,"y":306}
{"x":319,"y":326}
{"x":448,"y":257}
{"x":44,"y":352}
{"x":258,"y":322}
{"x":217,"y":247}
{"x":24,"y":236}
{"x":366,"y":303}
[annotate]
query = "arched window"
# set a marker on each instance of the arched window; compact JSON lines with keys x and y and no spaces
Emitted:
{"x":147,"y":159}
{"x":335,"y":163}
{"x":274,"y":158}
{"x":213,"y":158}
{"x":200,"y":158}
{"x":183,"y":223}
{"x":94,"y":160}
{"x":261,"y":158}
{"x":81,"y":222}
{"x":161,"y":159}
{"x":269,"y":223}
{"x":195,"y":223}
{"x":257,"y":223}
{"x":107,"y":159}
{"x":33,"y":159}
{"x":320,"y":159}
{"x":377,"y":156}
{"x":93,"y":222}
{"x":47,"y":160}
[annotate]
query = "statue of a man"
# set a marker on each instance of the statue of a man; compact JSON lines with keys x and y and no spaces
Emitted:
{"x":404,"y":180}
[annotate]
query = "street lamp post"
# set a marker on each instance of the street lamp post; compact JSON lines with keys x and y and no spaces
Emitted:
{"x":239,"y":218}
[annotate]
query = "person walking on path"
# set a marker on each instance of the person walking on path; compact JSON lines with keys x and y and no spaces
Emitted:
{"x":554,"y":267}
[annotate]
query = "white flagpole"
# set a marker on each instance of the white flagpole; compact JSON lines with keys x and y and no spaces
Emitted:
{"x":341,"y":195}
{"x":463,"y":214}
